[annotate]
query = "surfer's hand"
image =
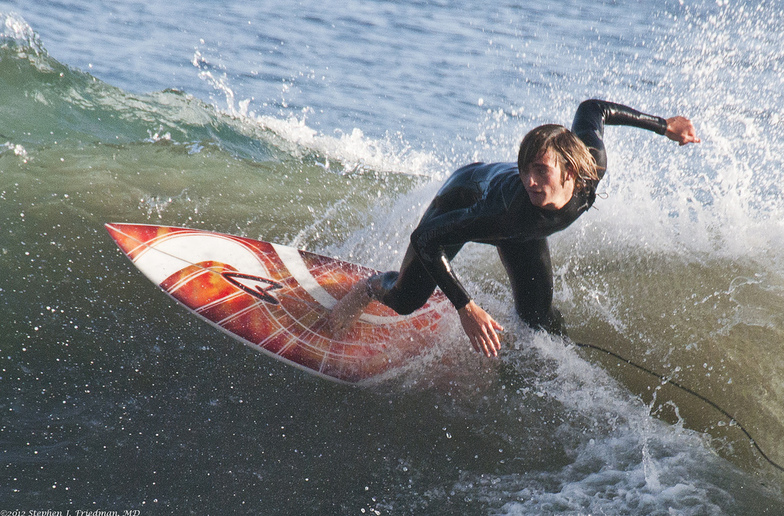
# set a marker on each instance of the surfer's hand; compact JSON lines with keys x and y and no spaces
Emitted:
{"x":681,"y":130}
{"x":480,"y":329}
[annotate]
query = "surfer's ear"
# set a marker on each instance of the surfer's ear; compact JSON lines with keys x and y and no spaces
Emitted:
{"x":568,"y":173}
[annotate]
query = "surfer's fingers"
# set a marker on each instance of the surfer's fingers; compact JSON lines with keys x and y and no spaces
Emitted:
{"x":496,"y":340}
{"x":478,"y":343}
{"x":489,"y":340}
{"x":491,"y":336}
{"x":475,"y":343}
{"x":681,"y":130}
{"x":480,"y":329}
{"x":483,"y":347}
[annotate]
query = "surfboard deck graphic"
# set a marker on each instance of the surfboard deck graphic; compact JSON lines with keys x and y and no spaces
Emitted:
{"x":274,"y":298}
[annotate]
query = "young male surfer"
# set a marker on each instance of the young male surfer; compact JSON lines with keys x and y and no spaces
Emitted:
{"x":515,"y":207}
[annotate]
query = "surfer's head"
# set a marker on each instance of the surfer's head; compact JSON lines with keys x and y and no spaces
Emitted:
{"x":570,"y":153}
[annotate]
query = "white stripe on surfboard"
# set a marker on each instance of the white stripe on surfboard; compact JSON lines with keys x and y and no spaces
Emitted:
{"x":299,"y":271}
{"x":167,"y":256}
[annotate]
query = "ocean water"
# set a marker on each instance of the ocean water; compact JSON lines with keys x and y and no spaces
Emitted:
{"x":329,"y":126}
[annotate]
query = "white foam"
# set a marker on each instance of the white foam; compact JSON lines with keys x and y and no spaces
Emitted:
{"x":353,"y":150}
{"x":13,"y":27}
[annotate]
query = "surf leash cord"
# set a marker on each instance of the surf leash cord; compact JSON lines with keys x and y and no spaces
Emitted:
{"x":666,"y":380}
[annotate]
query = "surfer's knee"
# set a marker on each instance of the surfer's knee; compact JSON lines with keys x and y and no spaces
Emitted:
{"x":381,"y":287}
{"x":380,"y":284}
{"x":550,"y":320}
{"x":403,"y":308}
{"x":555,"y":323}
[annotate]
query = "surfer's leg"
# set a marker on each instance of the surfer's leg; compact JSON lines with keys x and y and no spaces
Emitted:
{"x":530,"y":272}
{"x":348,"y":309}
{"x":403,"y":291}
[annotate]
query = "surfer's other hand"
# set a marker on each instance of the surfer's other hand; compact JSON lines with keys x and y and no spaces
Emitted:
{"x":481,"y":329}
{"x":681,"y":130}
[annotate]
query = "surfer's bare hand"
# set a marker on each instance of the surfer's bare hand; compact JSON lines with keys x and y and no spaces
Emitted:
{"x":481,"y":329}
{"x":681,"y":130}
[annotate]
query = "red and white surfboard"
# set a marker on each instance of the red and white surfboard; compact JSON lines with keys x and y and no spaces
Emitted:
{"x":274,"y":299}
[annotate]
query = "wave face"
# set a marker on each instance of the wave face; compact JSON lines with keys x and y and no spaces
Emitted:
{"x":331,"y":131}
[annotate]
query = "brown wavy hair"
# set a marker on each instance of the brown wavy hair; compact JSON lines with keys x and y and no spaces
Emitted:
{"x":570,"y":153}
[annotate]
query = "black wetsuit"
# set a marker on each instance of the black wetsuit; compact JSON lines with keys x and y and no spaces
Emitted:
{"x":488,"y":203}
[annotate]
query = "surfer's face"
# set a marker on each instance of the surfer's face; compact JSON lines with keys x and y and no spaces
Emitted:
{"x":547,"y":186}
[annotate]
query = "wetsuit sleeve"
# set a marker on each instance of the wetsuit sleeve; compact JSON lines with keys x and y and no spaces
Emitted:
{"x":432,"y":241}
{"x":593,"y":115}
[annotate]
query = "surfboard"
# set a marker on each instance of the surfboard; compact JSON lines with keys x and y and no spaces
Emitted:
{"x":273,"y":298}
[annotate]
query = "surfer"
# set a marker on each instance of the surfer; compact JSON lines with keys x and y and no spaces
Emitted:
{"x":515,"y":207}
